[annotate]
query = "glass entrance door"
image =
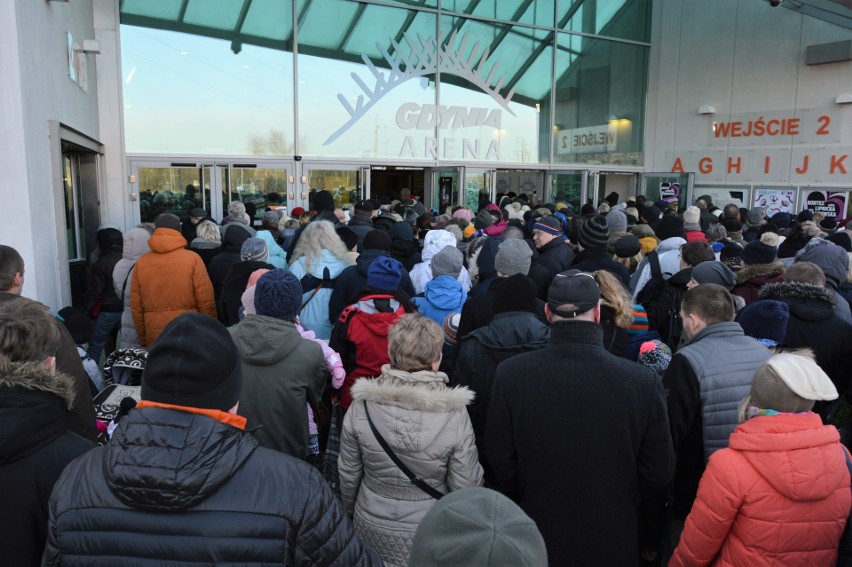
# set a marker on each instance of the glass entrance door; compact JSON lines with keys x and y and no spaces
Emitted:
{"x":479,"y":187}
{"x":569,"y":187}
{"x":346,"y":183}
{"x":443,"y":184}
{"x":178,"y":187}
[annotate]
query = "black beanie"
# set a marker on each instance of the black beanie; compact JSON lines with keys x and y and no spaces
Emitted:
{"x":670,"y":227}
{"x":194,"y":363}
{"x":377,"y":240}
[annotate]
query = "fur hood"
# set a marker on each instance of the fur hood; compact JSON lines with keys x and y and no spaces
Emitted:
{"x":760,"y":271}
{"x":417,"y":391}
{"x":796,"y":290}
{"x":33,"y":376}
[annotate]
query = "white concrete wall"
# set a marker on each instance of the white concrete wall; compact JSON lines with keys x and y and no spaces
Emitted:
{"x":36,"y":89}
{"x":747,"y":60}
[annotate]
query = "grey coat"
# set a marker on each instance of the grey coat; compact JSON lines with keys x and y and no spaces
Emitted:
{"x":135,"y":245}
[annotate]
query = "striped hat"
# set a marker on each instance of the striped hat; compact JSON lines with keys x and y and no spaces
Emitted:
{"x":594,"y":233}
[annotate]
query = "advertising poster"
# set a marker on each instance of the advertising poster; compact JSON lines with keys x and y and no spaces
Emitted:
{"x":775,"y":201}
{"x":722,"y":197}
{"x":832,"y":204}
{"x":670,"y":192}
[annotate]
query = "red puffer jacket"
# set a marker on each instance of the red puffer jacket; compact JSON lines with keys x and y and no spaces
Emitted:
{"x":779,"y":495}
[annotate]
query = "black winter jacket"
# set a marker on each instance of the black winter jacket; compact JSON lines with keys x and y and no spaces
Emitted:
{"x":177,"y":487}
{"x":99,"y":285}
{"x":556,"y":256}
{"x":477,"y":312}
{"x":231,"y":298}
{"x":594,"y":259}
{"x":664,"y":310}
{"x":481,"y":351}
{"x":576,"y":436}
{"x":35,"y":446}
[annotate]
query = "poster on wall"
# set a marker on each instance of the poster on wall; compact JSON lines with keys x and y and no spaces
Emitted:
{"x":775,"y":201}
{"x":670,"y":192}
{"x":722,"y":197}
{"x":832,"y":204}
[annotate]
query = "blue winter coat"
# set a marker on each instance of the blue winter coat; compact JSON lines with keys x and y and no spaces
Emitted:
{"x":443,"y":295}
{"x":277,"y":256}
{"x":314,"y":315}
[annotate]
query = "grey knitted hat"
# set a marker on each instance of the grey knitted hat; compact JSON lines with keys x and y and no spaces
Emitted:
{"x":447,"y":262}
{"x":714,"y":272}
{"x":616,"y":220}
{"x":254,"y":249}
{"x":514,"y":256}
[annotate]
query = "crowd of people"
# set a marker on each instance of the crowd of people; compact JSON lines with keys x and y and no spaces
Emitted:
{"x":522,"y":384}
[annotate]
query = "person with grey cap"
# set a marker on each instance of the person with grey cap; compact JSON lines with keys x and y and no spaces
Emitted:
{"x":514,"y":256}
{"x":254,"y":255}
{"x":754,"y":220}
{"x":716,"y":272}
{"x":477,"y":526}
{"x":704,"y":382}
{"x":582,"y":489}
{"x":780,"y":493}
{"x":282,"y":371}
{"x":185,"y":478}
{"x":444,"y":294}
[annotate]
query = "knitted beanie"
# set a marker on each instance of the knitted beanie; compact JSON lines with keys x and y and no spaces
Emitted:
{"x":451,"y":327}
{"x":730,"y":255}
{"x":616,"y":220}
{"x":549,"y":224}
{"x":514,"y":256}
{"x":655,"y":355}
{"x":167,"y":220}
{"x":254,"y":249}
{"x":670,"y":227}
{"x":691,"y":215}
{"x":483,"y":220}
{"x":463,"y":214}
{"x":477,"y":526}
{"x":194,"y":363}
{"x":765,"y":320}
{"x":805,"y":215}
{"x":448,"y":262}
{"x":278,"y":294}
{"x":247,"y":298}
{"x":384,"y":273}
{"x":763,"y":251}
{"x":348,"y":236}
{"x":593,"y":233}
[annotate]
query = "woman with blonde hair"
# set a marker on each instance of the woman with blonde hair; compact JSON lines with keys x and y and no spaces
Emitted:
{"x":207,"y":242}
{"x":319,"y":257}
{"x":779,"y":494}
{"x":407,"y":417}
{"x":628,"y":252}
{"x":616,"y":312}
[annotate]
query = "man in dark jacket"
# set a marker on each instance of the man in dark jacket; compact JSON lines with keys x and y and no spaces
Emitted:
{"x":82,"y":416}
{"x":101,"y":302}
{"x":254,"y":255}
{"x":362,"y":222}
{"x":514,"y":330}
{"x":576,"y":436}
{"x":181,"y":481}
{"x":705,"y":382}
{"x":813,"y":323}
{"x":554,"y":253}
{"x":35,"y":444}
{"x":592,"y":238}
{"x":232,"y":245}
{"x":377,"y":244}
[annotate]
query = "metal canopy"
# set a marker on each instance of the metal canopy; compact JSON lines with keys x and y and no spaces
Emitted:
{"x":837,"y":12}
{"x":482,"y":32}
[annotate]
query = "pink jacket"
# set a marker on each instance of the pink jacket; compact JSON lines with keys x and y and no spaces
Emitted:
{"x":778,"y":495}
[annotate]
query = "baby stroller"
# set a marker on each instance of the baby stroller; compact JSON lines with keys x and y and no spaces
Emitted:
{"x":123,"y":375}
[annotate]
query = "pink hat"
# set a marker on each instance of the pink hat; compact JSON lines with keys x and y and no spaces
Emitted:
{"x":463,"y":214}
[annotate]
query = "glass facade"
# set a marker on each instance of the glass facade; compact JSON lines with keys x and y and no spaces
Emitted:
{"x":536,"y":82}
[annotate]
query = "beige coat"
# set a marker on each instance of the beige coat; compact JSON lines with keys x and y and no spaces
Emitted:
{"x":427,"y":426}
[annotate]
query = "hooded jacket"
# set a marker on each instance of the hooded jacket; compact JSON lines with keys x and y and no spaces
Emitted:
{"x":100,"y":285}
{"x":354,"y":278}
{"x":135,"y":245}
{"x":403,"y":246}
{"x":191,"y":489}
{"x":315,"y":313}
{"x":167,"y":281}
{"x":277,"y":256}
{"x":751,"y":278}
{"x":669,"y":264}
{"x":426,"y":425}
{"x":282,"y":372}
{"x":834,"y":263}
{"x":443,"y":295}
{"x":507,"y":335}
{"x":421,"y":274}
{"x":35,"y":446}
{"x":217,"y":269}
{"x":779,"y":495}
{"x":813,"y":324}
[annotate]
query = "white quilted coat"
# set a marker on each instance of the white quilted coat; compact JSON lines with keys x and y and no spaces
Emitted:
{"x":427,"y":426}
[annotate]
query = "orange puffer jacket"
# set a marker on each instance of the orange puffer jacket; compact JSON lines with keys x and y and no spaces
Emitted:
{"x":167,"y":281}
{"x":779,"y":495}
